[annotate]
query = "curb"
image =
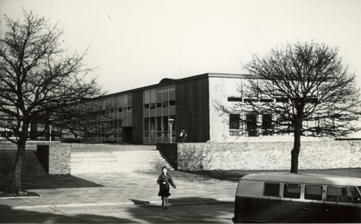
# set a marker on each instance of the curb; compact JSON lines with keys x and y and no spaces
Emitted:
{"x":221,"y":200}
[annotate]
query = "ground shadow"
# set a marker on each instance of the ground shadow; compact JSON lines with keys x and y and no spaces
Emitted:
{"x":34,"y":175}
{"x":9,"y":215}
{"x":47,"y":181}
{"x":139,"y":202}
{"x":184,"y":210}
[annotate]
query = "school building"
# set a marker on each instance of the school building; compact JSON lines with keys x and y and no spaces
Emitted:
{"x":157,"y":114}
{"x":145,"y":115}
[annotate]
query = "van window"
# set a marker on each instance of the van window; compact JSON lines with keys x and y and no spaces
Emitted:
{"x":250,"y":188}
{"x":271,"y":189}
{"x":292,"y":191}
{"x":313,"y":192}
{"x":338,"y":194}
{"x":355,"y":195}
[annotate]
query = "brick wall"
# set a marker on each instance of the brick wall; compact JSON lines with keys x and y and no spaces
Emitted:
{"x":56,"y":158}
{"x":268,"y":155}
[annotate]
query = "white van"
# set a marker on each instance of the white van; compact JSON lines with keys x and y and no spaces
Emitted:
{"x":287,"y":197}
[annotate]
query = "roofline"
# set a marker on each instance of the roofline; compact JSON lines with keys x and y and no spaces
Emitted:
{"x":174,"y":81}
{"x":303,"y":178}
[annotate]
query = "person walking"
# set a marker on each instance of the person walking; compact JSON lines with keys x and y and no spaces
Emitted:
{"x":183,"y":135}
{"x":164,"y":180}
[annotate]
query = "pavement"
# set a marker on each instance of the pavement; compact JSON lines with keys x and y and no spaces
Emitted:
{"x":129,"y":188}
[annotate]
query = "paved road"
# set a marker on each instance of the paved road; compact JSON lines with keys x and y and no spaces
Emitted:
{"x":126,"y":197}
{"x":191,"y":213}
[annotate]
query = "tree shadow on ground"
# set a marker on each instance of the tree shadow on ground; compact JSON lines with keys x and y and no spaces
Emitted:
{"x":183,"y":210}
{"x":50,"y":182}
{"x":9,"y":215}
{"x":229,"y":175}
{"x":34,"y":175}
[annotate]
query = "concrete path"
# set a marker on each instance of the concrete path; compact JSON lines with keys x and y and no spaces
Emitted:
{"x":130,"y":188}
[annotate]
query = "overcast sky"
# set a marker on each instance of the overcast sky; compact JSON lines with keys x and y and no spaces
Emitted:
{"x":135,"y":43}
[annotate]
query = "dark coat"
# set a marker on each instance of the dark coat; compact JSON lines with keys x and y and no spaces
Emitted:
{"x":164,"y":188}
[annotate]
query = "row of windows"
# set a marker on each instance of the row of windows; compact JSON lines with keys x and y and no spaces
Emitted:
{"x":312,"y":192}
{"x":251,"y":123}
{"x":159,"y":105}
{"x":158,"y":126}
{"x":255,"y":124}
{"x":120,"y":110}
{"x":161,"y":94}
{"x":268,"y":100}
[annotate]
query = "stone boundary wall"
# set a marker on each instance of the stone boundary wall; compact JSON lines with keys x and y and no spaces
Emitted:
{"x":267,"y":155}
{"x":56,"y":158}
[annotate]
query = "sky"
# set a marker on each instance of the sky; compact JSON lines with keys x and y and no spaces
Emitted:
{"x":136,"y":43}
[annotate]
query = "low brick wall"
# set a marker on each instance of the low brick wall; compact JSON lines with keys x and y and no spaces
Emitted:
{"x":267,"y":155}
{"x":56,"y":158}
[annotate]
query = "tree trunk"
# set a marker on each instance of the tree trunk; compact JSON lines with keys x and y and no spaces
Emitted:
{"x":296,"y":146}
{"x":16,"y":187}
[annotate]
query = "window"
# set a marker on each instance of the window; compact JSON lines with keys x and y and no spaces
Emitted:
{"x":120,"y":110}
{"x":172,"y":103}
{"x":234,"y":99}
{"x":159,"y":126}
{"x":267,"y":126}
{"x":312,"y":100}
{"x":172,"y":92}
{"x":146,"y":96}
{"x":339,"y":194}
{"x":146,"y":106}
{"x":271,"y":189}
{"x":165,"y":93}
{"x":165,"y":104}
{"x":152,"y":106}
{"x":152,"y":126}
{"x":250,"y":100}
{"x":234,"y":121}
{"x":165,"y":123}
{"x":355,"y":195}
{"x":129,"y":99}
{"x":252,"y":124}
{"x":129,"y":109}
{"x":292,"y":191}
{"x":159,"y":95}
{"x":282,"y":100}
{"x":313,"y":192}
{"x":158,"y":105}
{"x":266,"y":100}
{"x":146,"y":124}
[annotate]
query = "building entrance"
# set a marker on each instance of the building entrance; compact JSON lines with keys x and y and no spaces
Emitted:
{"x":127,"y":134}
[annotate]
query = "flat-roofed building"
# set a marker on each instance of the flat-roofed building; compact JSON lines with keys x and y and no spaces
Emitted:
{"x":142,"y":115}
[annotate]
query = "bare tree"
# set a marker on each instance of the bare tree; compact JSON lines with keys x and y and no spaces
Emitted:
{"x":302,"y":89}
{"x":39,"y":82}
